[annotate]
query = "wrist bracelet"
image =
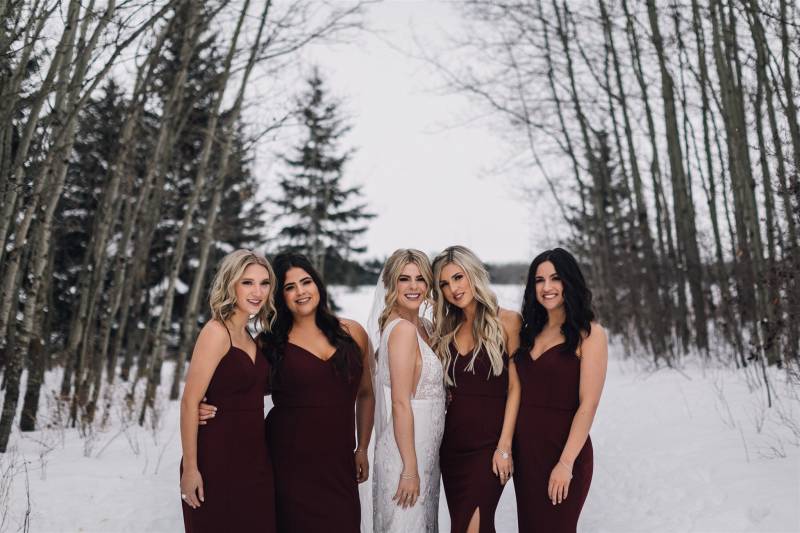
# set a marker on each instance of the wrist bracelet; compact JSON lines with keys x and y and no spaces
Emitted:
{"x":407,"y":476}
{"x":504,"y":454}
{"x":360,"y":450}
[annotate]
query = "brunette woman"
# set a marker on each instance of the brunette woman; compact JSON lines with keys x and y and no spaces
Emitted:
{"x":322,"y":392}
{"x":561,"y":362}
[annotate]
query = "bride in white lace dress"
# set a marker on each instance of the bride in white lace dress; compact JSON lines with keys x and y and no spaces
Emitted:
{"x":410,"y":403}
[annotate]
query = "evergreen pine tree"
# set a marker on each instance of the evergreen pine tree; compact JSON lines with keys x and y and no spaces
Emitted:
{"x":322,"y":218}
{"x":98,"y":130}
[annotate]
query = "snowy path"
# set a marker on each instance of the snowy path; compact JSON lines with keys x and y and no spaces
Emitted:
{"x":669,"y":457}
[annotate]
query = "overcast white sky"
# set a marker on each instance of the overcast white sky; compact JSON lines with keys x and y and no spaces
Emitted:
{"x":425,"y":169}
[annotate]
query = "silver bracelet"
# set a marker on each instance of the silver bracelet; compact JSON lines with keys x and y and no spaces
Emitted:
{"x":407,"y":476}
{"x":504,"y":454}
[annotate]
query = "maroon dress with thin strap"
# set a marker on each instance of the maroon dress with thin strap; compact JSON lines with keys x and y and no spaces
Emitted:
{"x":472,"y":428}
{"x":232,"y":451}
{"x":548,"y":402}
{"x":311,"y":434}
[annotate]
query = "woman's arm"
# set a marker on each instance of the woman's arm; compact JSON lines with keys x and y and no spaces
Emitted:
{"x":403,"y":355}
{"x":504,"y":467}
{"x":365,"y":400}
{"x":210,"y":348}
{"x":594,"y":361}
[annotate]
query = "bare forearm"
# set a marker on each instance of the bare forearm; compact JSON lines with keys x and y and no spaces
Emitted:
{"x":189,"y":416}
{"x":578,"y":433}
{"x":403,"y":421}
{"x":365,"y":418}
{"x":509,"y":419}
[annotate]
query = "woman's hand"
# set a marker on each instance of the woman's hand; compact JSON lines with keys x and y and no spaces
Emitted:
{"x":558,"y":486}
{"x":192,"y":488}
{"x":206,"y":411}
{"x":362,"y":465}
{"x":502,"y":465}
{"x":407,"y":491}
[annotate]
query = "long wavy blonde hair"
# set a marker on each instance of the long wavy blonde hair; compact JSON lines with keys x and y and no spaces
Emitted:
{"x":487,"y":330}
{"x":222,"y":296}
{"x":391,"y":272}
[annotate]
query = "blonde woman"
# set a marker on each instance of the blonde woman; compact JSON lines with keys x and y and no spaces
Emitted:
{"x":226,"y":476}
{"x":409,"y":414}
{"x":473,"y":338}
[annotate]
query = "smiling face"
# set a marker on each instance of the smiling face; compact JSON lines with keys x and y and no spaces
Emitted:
{"x":455,"y":286}
{"x":411,"y":287}
{"x":252,"y":289}
{"x":300,"y":292}
{"x":549,"y":288}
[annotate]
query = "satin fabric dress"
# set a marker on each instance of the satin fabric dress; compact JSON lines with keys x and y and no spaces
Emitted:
{"x":311,"y":435}
{"x":549,"y":399}
{"x":232,"y":451}
{"x":472,"y":428}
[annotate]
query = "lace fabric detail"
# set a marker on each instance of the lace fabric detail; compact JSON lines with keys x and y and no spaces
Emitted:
{"x":428,"y":406}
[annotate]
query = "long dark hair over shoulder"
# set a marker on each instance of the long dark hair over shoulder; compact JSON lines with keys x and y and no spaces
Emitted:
{"x":577,"y":303}
{"x":273,"y":343}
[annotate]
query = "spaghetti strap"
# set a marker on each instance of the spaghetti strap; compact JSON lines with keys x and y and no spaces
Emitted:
{"x":230,"y":339}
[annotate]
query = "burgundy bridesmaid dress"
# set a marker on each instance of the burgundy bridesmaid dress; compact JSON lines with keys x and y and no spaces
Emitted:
{"x":311,"y":435}
{"x":549,"y":400}
{"x":232,"y":451}
{"x":472,"y":429}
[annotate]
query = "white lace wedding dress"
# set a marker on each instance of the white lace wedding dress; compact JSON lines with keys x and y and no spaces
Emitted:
{"x":428,"y":406}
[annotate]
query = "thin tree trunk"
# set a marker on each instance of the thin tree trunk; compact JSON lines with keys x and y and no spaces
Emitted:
{"x":730,"y":321}
{"x":36,"y":358}
{"x":189,"y":327}
{"x":148,"y":201}
{"x":684,"y":210}
{"x":629,"y":254}
{"x":68,"y":101}
{"x":601,"y":260}
{"x":65,"y":102}
{"x":9,"y":99}
{"x":95,"y":264}
{"x":11,"y":380}
{"x":156,"y":358}
{"x":650,"y":265}
{"x":12,"y":259}
{"x":738,"y":162}
{"x":772,"y":291}
{"x":673,"y":277}
{"x":790,"y":96}
{"x":570,"y":150}
{"x":10,"y":85}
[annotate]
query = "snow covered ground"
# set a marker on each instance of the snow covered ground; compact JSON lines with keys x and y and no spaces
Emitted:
{"x":690,"y":450}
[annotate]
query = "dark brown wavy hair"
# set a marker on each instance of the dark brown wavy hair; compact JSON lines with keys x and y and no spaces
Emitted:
{"x":577,"y":303}
{"x":273,"y":343}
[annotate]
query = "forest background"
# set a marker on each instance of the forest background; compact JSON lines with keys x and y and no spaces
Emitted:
{"x":662,"y":136}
